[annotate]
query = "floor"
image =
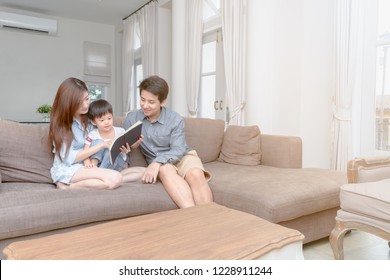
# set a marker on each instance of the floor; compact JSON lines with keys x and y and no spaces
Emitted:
{"x":358,"y":245}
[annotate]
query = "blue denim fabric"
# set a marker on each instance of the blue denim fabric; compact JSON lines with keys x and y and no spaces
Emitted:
{"x":103,"y":156}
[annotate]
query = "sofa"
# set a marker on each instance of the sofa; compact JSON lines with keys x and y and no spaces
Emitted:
{"x":252,"y":172}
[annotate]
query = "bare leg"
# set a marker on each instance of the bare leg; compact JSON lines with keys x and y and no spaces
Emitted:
{"x":133,"y":174}
{"x":62,"y":186}
{"x":96,"y":178}
{"x":200,"y":188}
{"x":84,"y":184}
{"x":176,"y":186}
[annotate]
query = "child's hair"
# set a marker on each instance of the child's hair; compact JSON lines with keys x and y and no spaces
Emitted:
{"x":99,"y":108}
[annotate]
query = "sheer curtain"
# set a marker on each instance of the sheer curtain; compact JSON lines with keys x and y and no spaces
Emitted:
{"x":349,"y":61}
{"x":148,"y":19}
{"x":129,"y":31}
{"x":193,"y":53}
{"x":233,"y":14}
{"x":141,"y":24}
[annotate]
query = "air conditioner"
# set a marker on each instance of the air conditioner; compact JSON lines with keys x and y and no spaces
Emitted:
{"x":28,"y":23}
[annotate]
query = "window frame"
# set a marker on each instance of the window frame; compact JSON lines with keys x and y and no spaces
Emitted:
{"x":364,"y":120}
{"x":212,"y":31}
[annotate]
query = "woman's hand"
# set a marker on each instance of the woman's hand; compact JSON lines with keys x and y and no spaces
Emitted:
{"x":90,"y":163}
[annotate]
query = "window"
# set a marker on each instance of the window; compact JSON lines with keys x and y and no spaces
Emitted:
{"x":212,"y":78}
{"x":210,"y":9}
{"x":97,"y":69}
{"x":138,"y":77}
{"x":212,"y":88}
{"x":382,"y":89}
{"x":97,"y":92}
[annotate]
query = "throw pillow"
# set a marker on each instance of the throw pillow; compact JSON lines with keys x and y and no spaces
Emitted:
{"x":25,"y":155}
{"x":241,"y":145}
{"x":205,"y":136}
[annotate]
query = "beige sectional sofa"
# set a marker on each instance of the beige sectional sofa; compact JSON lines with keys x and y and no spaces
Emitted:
{"x":252,"y":172}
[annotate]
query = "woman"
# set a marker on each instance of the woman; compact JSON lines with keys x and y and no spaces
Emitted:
{"x":68,"y":129}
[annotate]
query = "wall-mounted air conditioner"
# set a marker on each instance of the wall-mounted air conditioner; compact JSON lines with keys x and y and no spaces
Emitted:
{"x":28,"y":23}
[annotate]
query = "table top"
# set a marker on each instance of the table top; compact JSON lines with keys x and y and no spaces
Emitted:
{"x":205,"y":232}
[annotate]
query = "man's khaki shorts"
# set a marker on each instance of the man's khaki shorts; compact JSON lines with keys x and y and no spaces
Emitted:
{"x":188,"y":161}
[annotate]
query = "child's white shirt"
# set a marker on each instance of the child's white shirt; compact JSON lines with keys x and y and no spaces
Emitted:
{"x":94,"y":134}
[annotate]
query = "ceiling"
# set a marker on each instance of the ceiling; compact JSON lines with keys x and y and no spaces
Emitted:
{"x":100,"y":11}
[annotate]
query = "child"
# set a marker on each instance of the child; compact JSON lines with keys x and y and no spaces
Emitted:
{"x":100,"y":114}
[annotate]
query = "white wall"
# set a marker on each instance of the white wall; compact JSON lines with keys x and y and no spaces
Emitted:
{"x":178,"y":88}
{"x":290,"y":76}
{"x":32,"y":65}
{"x":318,"y":82}
{"x":164,"y":49}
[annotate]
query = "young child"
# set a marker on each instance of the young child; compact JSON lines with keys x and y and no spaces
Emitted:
{"x":100,"y":114}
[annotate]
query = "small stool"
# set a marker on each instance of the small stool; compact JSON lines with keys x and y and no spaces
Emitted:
{"x":364,"y":206}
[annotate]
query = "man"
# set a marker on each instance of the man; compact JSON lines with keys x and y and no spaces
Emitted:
{"x":170,"y":160}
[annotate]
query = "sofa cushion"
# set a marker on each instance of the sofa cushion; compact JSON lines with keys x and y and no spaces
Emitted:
{"x":370,"y":199}
{"x":205,"y":136}
{"x":25,"y":155}
{"x":28,"y":208}
{"x":241,"y":145}
{"x":275,"y":194}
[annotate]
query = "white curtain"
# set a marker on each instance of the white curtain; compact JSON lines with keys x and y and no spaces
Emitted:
{"x":193,"y":53}
{"x":349,"y":59}
{"x":147,"y":18}
{"x":234,"y":16}
{"x":141,"y":24}
{"x":129,"y":27}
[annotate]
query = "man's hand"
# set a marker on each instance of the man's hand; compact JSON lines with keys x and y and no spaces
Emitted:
{"x":151,"y":173}
{"x":136,"y":144}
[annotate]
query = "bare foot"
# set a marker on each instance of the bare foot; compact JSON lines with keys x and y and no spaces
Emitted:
{"x":62,"y":186}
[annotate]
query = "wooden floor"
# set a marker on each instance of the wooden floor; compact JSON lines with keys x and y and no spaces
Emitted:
{"x":358,"y":245}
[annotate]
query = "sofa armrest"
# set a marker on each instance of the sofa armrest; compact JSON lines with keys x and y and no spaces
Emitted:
{"x":281,"y":151}
{"x":368,"y":169}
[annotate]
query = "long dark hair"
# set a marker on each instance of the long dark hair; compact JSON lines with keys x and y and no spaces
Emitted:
{"x":69,"y":97}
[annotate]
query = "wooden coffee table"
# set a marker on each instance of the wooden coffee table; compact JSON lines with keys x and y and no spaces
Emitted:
{"x":203,"y":232}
